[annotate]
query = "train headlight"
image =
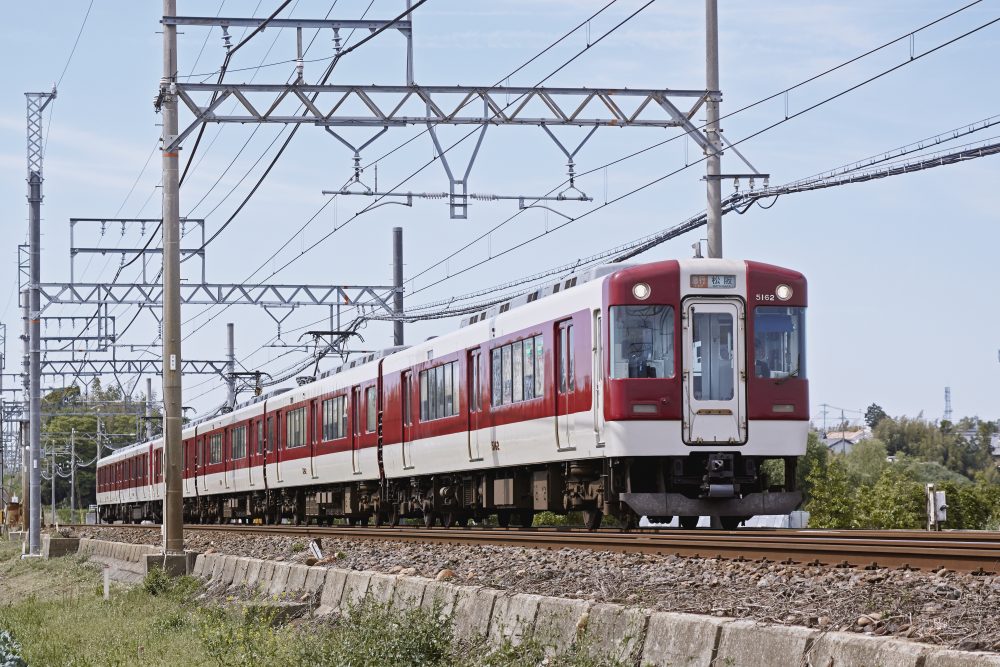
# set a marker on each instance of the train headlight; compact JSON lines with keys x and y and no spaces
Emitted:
{"x":783,"y":292}
{"x":641,"y":291}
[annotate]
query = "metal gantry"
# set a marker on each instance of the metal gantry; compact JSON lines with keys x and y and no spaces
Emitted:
{"x":36,"y":104}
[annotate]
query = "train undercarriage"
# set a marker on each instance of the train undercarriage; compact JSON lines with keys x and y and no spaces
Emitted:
{"x":724,"y":485}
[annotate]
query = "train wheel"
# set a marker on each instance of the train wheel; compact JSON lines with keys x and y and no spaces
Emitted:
{"x":730,"y":522}
{"x":630,"y":521}
{"x":503,"y":518}
{"x":430,"y":518}
{"x":394,"y":516}
{"x":448,"y":519}
{"x":592,"y":519}
{"x":525,"y":518}
{"x":688,"y":522}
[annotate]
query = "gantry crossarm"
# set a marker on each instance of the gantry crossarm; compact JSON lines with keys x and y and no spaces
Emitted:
{"x":583,"y":107}
{"x":98,"y":367}
{"x":402,"y":25}
{"x":151,"y":294}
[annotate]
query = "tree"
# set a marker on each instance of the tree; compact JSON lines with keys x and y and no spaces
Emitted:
{"x":894,"y":502}
{"x":74,"y":416}
{"x":832,"y":501}
{"x":874,"y":414}
{"x":865,"y":462}
{"x":815,"y":458}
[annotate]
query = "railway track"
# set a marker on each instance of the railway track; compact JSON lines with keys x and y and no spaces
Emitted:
{"x":962,"y":551}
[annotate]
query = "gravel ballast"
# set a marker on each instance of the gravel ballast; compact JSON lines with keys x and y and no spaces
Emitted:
{"x":947,"y":608}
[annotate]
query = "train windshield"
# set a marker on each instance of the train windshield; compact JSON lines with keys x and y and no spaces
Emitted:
{"x":642,"y":341}
{"x":779,"y":342}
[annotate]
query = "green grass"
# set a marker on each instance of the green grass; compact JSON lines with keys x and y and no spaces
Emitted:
{"x":55,"y":614}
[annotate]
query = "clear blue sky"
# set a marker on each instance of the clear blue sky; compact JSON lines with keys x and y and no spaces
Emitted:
{"x":903,"y":281}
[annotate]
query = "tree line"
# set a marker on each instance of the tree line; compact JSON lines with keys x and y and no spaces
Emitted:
{"x":880,"y":482}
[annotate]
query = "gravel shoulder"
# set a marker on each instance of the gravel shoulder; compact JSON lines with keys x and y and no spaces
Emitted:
{"x":945,"y":608}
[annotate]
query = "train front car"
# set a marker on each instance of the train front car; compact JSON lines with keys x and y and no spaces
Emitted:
{"x":705,"y":381}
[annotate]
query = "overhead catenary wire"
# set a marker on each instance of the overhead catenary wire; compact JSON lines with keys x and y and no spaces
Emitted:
{"x":466,"y":136}
{"x":897,"y":40}
{"x":518,"y":69}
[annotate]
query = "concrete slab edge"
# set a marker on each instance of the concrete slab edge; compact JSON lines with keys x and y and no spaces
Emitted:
{"x":650,"y":637}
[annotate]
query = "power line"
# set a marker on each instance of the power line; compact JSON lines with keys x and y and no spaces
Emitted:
{"x":518,"y":69}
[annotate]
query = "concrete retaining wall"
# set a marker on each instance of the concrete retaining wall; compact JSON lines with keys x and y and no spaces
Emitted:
{"x":649,"y":637}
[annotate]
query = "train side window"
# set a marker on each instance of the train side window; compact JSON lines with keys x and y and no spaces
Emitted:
{"x":567,"y":358}
{"x":335,"y":418}
{"x":439,"y":392}
{"x":518,"y":371}
{"x":779,"y":342}
{"x":239,"y":442}
{"x":370,"y":415}
{"x":295,"y":428}
{"x":215,"y":448}
{"x":642,"y":341}
{"x":260,"y":436}
{"x":270,"y":434}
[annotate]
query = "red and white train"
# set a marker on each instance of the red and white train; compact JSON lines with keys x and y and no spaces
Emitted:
{"x":657,"y":389}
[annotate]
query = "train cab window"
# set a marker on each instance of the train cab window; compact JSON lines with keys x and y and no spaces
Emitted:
{"x":295,"y":427}
{"x":370,"y":413}
{"x":642,"y":341}
{"x":335,"y":418}
{"x":215,"y":448}
{"x":779,"y":342}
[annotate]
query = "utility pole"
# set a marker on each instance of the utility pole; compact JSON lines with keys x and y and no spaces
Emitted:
{"x":24,"y":438}
{"x":397,"y":283}
{"x":230,"y":366}
{"x":36,"y":105}
{"x":173,"y":502}
{"x":713,"y":163}
{"x":52,"y":485}
{"x":149,"y":409}
{"x":72,"y":476}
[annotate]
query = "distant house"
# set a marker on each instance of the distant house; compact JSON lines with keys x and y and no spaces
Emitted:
{"x":995,"y":448}
{"x":841,"y":442}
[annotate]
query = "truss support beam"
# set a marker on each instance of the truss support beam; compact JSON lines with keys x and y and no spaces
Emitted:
{"x":99,"y":367}
{"x":581,"y":107}
{"x":269,"y":296}
{"x":402,"y":25}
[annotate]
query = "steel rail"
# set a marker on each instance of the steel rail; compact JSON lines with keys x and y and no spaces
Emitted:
{"x":962,"y":551}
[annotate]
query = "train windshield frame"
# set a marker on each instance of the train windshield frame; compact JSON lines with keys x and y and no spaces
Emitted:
{"x":779,"y":342}
{"x":642,"y":341}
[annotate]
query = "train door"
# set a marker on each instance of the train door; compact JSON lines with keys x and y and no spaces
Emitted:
{"x":714,"y":372}
{"x":355,"y":428}
{"x":228,"y":462}
{"x":270,"y":453}
{"x":276,"y":446}
{"x":473,"y":393}
{"x":188,"y":476}
{"x":598,"y":375}
{"x":201,"y":459}
{"x":565,"y":384}
{"x":406,"y":387}
{"x":256,"y":463}
{"x":251,"y":440}
{"x":315,"y":431}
